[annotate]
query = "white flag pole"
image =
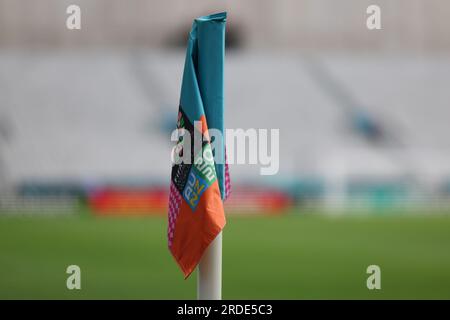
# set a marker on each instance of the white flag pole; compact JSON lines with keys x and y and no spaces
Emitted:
{"x":209,"y":275}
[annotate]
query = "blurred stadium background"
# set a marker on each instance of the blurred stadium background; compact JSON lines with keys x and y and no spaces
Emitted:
{"x":85,"y":121}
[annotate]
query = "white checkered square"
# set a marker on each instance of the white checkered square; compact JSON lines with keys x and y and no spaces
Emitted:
{"x":227,"y":178}
{"x":174,"y":208}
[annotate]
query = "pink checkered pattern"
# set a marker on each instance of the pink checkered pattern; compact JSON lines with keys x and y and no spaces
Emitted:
{"x":174,"y":209}
{"x":227,"y":178}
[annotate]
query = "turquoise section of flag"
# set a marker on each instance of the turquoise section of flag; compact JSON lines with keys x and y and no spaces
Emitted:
{"x":202,"y":92}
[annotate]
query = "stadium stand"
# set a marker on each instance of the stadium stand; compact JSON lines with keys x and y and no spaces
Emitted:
{"x":102,"y":119}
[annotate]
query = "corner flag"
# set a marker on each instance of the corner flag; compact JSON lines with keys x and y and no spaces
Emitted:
{"x":199,"y":184}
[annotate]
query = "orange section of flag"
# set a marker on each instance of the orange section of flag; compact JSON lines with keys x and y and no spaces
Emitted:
{"x":194,"y":231}
{"x":196,"y":214}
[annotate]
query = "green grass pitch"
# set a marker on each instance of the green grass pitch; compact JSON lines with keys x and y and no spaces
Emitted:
{"x":287,"y":257}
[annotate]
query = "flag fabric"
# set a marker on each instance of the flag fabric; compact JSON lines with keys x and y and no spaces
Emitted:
{"x":199,"y":186}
